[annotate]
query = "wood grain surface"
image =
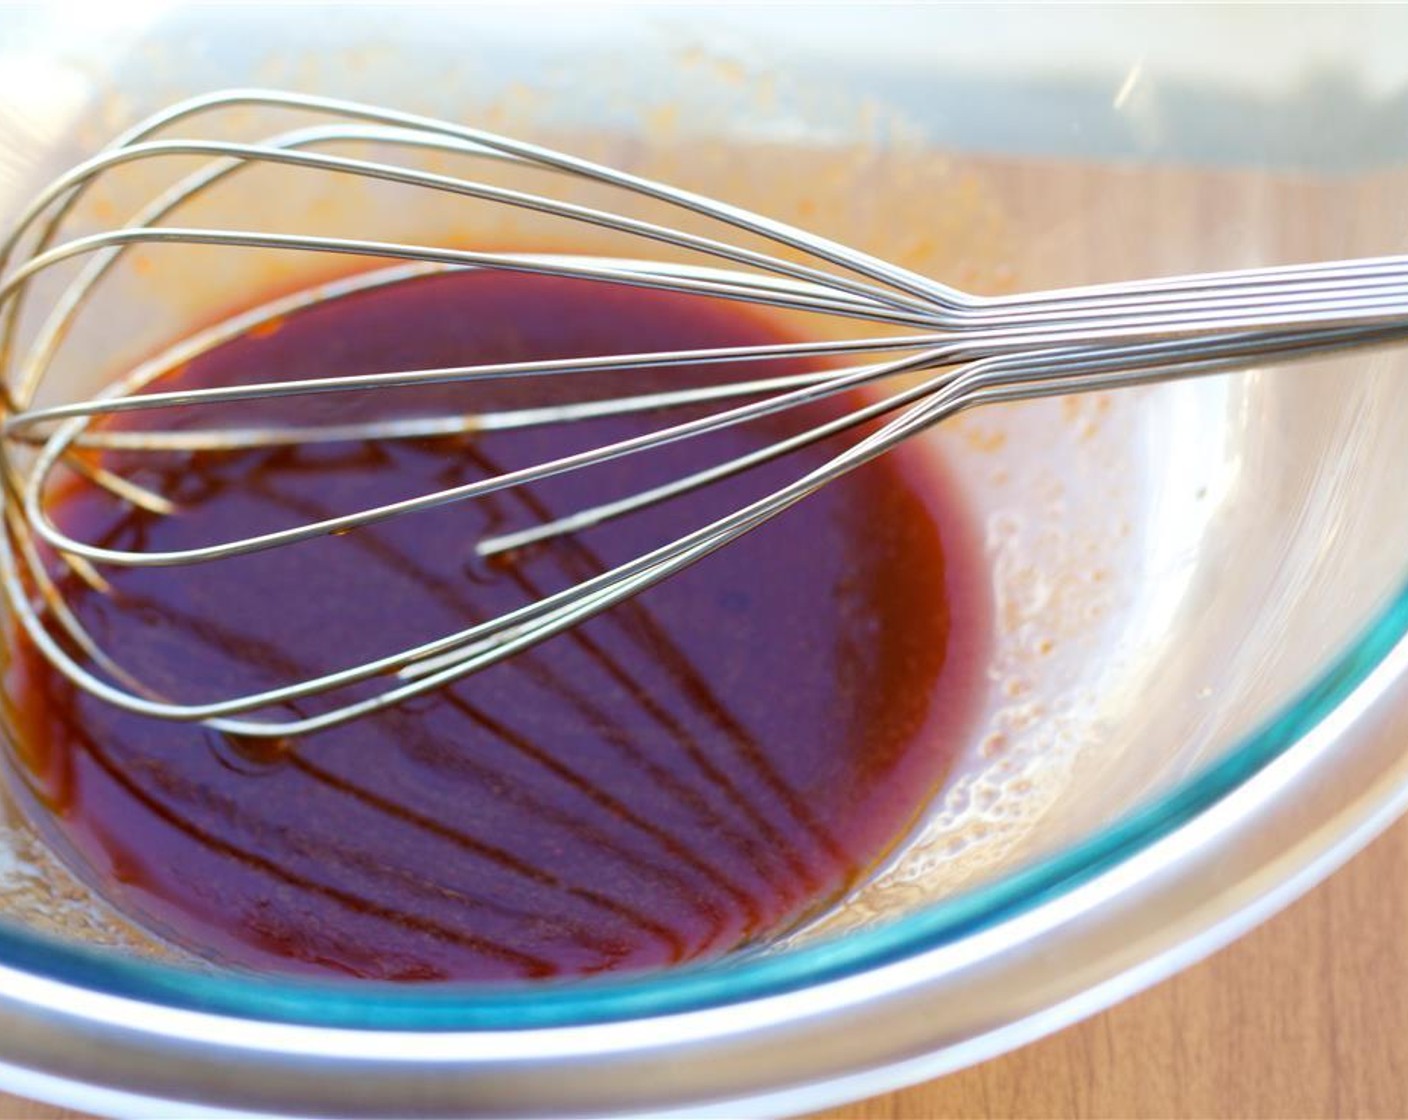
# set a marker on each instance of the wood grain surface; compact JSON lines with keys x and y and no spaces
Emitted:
{"x":1307,"y":1016}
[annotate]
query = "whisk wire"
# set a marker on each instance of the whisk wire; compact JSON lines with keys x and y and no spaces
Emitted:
{"x":958,"y":351}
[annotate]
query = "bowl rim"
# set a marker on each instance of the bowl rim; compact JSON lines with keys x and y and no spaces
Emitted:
{"x":61,"y":994}
{"x":1163,"y":887}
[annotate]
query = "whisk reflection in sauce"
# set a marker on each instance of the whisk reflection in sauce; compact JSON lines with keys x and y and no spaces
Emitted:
{"x":691,"y":772}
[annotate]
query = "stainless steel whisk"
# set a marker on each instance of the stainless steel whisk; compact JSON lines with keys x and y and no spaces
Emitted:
{"x":960,"y":351}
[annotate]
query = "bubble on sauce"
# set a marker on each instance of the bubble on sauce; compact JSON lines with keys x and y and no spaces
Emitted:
{"x":249,"y":755}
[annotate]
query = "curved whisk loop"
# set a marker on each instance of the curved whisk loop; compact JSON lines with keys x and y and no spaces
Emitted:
{"x":921,"y":350}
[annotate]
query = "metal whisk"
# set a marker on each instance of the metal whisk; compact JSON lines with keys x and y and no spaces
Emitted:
{"x":960,"y":350}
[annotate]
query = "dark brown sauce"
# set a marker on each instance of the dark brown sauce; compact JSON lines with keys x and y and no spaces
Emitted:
{"x":690,"y":772}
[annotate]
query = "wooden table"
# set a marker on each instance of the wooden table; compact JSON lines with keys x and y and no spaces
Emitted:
{"x":1305,"y":1017}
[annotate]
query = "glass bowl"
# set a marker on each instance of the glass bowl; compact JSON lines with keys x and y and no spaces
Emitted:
{"x":1200,"y":588}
